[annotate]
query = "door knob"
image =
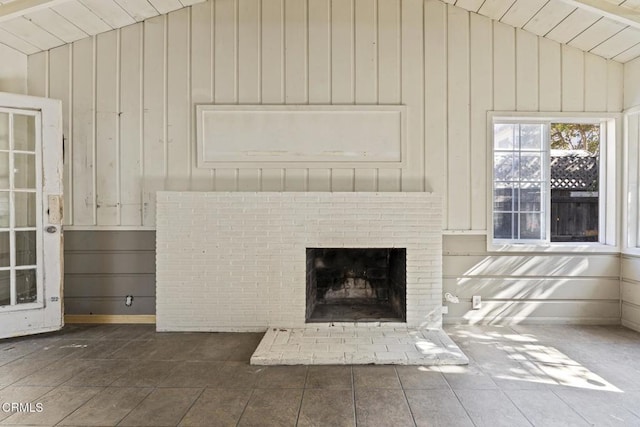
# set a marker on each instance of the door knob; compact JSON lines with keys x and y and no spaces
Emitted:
{"x":51,"y":229}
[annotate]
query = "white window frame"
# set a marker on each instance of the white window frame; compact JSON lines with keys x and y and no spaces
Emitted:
{"x":631,"y":199}
{"x":609,"y":191}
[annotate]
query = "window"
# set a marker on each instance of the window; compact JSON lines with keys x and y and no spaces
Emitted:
{"x":575,"y":181}
{"x":549,"y":180}
{"x":632,"y":178}
{"x":520,"y":177}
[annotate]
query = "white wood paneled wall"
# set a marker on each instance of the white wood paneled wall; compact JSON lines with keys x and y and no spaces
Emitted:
{"x":630,"y":270}
{"x":630,"y":292}
{"x":13,"y":73}
{"x":532,"y":288}
{"x":632,"y":84}
{"x":129,"y":96}
{"x":630,"y":266}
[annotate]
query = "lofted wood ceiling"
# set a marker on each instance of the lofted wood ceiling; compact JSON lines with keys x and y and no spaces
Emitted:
{"x":31,"y":26}
{"x":607,"y":28}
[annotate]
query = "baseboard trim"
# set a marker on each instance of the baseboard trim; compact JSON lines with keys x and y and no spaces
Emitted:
{"x":631,"y":325}
{"x":110,"y":318}
{"x":523,"y":320}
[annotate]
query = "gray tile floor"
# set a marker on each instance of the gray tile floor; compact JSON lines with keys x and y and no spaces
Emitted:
{"x":128,"y":375}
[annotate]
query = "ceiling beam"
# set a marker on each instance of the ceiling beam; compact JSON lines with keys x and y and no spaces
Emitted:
{"x":19,"y":8}
{"x":621,"y":14}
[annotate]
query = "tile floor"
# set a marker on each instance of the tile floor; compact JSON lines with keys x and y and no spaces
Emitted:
{"x":129,"y":375}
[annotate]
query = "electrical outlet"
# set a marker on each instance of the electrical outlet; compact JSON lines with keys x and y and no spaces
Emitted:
{"x":476,"y":302}
{"x":445,"y":309}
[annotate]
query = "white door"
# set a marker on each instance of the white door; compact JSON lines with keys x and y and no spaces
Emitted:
{"x":30,"y":215}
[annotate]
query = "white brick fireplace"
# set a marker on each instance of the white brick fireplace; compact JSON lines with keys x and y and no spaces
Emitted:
{"x":237,"y":261}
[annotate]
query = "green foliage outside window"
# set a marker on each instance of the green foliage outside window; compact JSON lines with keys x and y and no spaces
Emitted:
{"x":575,"y":136}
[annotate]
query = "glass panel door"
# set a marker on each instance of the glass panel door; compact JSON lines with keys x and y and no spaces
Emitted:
{"x":31,"y":281}
{"x":20,"y":209}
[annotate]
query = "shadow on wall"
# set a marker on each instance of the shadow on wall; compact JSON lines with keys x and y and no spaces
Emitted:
{"x":521,"y":288}
{"x":525,"y":265}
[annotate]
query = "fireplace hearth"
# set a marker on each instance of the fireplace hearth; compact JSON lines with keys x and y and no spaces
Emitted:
{"x":310,"y":269}
{"x":356,"y":285}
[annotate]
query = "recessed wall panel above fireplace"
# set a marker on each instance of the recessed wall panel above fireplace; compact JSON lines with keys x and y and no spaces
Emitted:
{"x":301,"y":135}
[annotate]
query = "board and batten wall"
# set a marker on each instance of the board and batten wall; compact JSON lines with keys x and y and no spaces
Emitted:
{"x":129,"y":96}
{"x":532,"y":288}
{"x":13,"y":72}
{"x":630,"y":269}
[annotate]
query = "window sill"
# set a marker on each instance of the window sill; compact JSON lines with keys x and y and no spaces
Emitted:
{"x":634,"y":252}
{"x":591,"y":248}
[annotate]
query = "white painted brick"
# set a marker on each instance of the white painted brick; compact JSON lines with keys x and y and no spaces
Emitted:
{"x":342,"y":348}
{"x":284,"y":348}
{"x":388,"y":357}
{"x":387,"y":340}
{"x":371,"y":334}
{"x":236,"y":260}
{"x":371,"y":347}
{"x":329,"y":340}
{"x":302,"y":358}
{"x":327,"y":358}
{"x":341,"y":334}
{"x":404,"y":348}
{"x":360,"y":357}
{"x":419,"y":358}
{"x":359,"y":340}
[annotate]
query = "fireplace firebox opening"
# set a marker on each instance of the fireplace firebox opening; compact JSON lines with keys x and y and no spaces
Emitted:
{"x":356,"y":285}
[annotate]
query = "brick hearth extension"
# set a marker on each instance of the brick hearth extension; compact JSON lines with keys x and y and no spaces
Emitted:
{"x":362,"y":344}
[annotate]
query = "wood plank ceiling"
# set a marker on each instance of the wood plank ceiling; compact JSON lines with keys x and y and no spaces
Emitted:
{"x":608,"y":28}
{"x":31,"y":26}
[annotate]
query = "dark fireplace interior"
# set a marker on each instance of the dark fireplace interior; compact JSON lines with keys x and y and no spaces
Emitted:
{"x":363,"y":285}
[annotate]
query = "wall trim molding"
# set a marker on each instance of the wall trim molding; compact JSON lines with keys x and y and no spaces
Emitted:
{"x":519,"y":320}
{"x":110,"y":318}
{"x":631,"y":325}
{"x":301,"y":136}
{"x":108,"y":228}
